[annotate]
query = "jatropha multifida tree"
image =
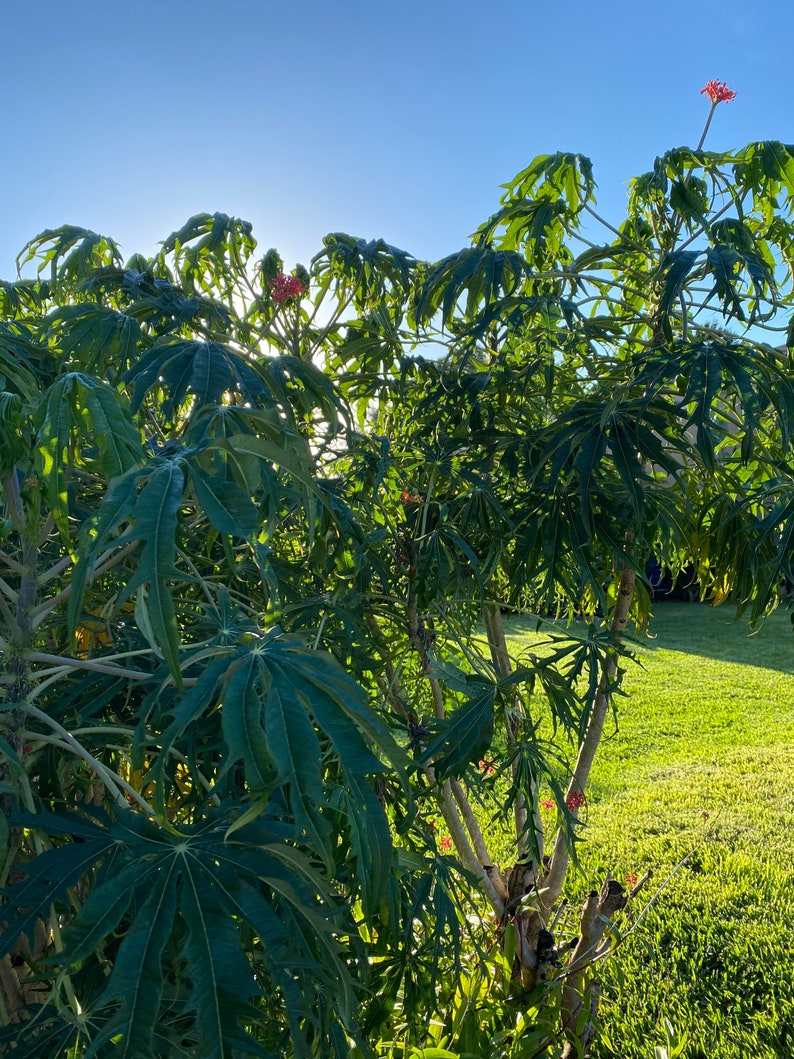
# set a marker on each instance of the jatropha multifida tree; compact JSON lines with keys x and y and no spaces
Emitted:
{"x":273,"y":778}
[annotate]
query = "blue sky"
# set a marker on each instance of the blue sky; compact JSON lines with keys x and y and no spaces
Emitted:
{"x":395,"y":120}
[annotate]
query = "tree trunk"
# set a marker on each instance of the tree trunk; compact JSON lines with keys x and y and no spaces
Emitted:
{"x":554,"y":876}
{"x":579,"y":995}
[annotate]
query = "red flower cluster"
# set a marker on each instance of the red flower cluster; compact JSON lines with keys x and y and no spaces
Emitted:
{"x":410,"y":498}
{"x":282,"y":287}
{"x":486,"y":766}
{"x":446,"y":843}
{"x":546,"y":803}
{"x":631,"y":880}
{"x":718,"y":92}
{"x":575,"y":800}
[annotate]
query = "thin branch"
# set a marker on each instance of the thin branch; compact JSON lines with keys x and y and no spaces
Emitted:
{"x":86,"y":663}
{"x":621,"y":235}
{"x":56,"y":570}
{"x":471,"y":822}
{"x":114,"y":783}
{"x":554,"y":876}
{"x":465,"y":851}
{"x":11,"y":563}
{"x":8,"y":591}
{"x":14,"y":502}
{"x":500,"y":656}
{"x":106,"y":562}
{"x":8,"y":616}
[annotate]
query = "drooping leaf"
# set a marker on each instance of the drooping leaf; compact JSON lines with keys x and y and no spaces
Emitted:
{"x":95,"y":337}
{"x":465,"y":736}
{"x":84,"y":422}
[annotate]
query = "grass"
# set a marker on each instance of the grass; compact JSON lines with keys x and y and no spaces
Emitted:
{"x":700,"y":767}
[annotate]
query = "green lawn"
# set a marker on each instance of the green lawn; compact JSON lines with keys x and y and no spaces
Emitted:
{"x":708,"y":728}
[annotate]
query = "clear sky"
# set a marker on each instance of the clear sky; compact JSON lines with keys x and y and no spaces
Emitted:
{"x":397,"y":120}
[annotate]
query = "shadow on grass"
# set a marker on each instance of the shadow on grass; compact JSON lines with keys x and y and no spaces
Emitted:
{"x":715,"y":632}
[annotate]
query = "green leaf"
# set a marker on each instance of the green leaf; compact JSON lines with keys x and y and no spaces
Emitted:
{"x":46,"y":881}
{"x":295,"y":751}
{"x":227,"y":507}
{"x":723,"y":262}
{"x":95,"y":336}
{"x":676,"y":267}
{"x":465,"y":736}
{"x":155,"y":521}
{"x":218,"y":969}
{"x":72,"y":253}
{"x":243,"y":725}
{"x":137,"y":980}
{"x":77,"y":414}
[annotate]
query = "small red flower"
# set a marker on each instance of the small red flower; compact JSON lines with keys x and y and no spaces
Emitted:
{"x":282,"y":287}
{"x":27,"y":749}
{"x":486,"y":766}
{"x":575,"y":800}
{"x":446,"y":843}
{"x":546,"y":803}
{"x":718,"y":92}
{"x":410,"y":498}
{"x":631,"y":880}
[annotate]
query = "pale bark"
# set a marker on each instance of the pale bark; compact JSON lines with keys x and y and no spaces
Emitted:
{"x":465,"y":851}
{"x":500,"y":656}
{"x":554,"y":876}
{"x":577,"y":993}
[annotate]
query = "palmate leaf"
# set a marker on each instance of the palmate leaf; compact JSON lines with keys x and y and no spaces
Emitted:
{"x":723,"y":262}
{"x":283,"y":711}
{"x":78,"y":414}
{"x":766,"y":168}
{"x":145,"y":504}
{"x":72,"y":253}
{"x":675,"y":267}
{"x":93,"y":335}
{"x":484,"y":275}
{"x":210,"y":249}
{"x":466,"y":734}
{"x":206,"y":370}
{"x":706,"y":376}
{"x":536,"y":228}
{"x":564,"y":174}
{"x":372,"y":268}
{"x":173,"y":906}
{"x":48,"y":877}
{"x":273,"y":698}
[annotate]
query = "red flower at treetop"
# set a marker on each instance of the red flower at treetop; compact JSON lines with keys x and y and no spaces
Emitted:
{"x":282,"y":287}
{"x":718,"y":92}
